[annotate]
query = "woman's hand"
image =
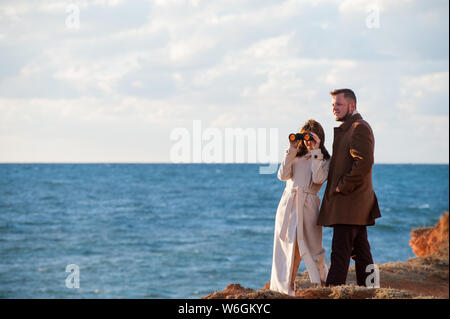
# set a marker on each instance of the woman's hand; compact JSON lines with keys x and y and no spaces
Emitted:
{"x":295,"y":144}
{"x":316,"y":143}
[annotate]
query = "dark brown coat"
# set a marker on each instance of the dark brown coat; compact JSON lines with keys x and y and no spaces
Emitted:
{"x":351,"y":170}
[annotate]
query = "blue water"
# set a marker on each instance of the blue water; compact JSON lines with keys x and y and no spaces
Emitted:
{"x":172,"y":230}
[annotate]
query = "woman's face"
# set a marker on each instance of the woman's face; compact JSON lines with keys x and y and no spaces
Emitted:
{"x":310,"y":144}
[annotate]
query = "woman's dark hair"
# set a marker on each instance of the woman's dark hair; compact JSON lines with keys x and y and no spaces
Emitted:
{"x":315,"y":127}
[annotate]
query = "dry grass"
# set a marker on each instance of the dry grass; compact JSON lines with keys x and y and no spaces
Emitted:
{"x":236,"y":291}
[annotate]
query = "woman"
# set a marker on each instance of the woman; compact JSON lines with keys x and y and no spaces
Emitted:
{"x":297,"y":236}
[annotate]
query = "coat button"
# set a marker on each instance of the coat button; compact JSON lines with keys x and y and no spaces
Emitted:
{"x":315,"y":156}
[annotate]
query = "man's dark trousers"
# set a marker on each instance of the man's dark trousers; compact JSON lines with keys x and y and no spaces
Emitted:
{"x":349,"y":241}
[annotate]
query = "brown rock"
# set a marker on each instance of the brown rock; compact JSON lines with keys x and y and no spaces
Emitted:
{"x":426,"y":241}
{"x":232,"y":291}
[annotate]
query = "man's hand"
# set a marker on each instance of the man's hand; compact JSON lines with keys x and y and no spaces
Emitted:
{"x":337,"y":189}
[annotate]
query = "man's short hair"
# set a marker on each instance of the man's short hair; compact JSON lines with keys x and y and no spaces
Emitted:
{"x":348,"y":94}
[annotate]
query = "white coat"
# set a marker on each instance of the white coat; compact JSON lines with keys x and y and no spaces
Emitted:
{"x":296,"y":219}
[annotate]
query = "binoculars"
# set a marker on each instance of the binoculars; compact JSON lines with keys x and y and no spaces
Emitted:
{"x":300,"y":137}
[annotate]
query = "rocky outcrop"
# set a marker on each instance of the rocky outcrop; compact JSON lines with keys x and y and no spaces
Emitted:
{"x":426,"y":241}
{"x":424,"y":276}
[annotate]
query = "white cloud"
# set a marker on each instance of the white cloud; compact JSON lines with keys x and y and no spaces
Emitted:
{"x":425,"y":94}
{"x":145,"y":67}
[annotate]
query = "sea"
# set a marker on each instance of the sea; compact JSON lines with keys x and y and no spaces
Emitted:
{"x":173,"y":230}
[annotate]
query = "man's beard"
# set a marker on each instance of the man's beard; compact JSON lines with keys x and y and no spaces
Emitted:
{"x":345,"y":117}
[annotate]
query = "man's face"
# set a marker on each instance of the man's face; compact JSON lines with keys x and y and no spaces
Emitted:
{"x":341,"y":107}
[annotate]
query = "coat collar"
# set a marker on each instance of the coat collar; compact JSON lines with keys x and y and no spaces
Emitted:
{"x":346,"y":125}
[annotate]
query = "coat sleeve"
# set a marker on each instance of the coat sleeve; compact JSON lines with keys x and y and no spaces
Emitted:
{"x":361,"y":151}
{"x":285,"y":170}
{"x":319,"y":167}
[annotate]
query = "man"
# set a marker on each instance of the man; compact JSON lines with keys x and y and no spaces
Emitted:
{"x":349,"y":203}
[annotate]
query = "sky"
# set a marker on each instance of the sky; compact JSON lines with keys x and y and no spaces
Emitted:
{"x":112,"y":80}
